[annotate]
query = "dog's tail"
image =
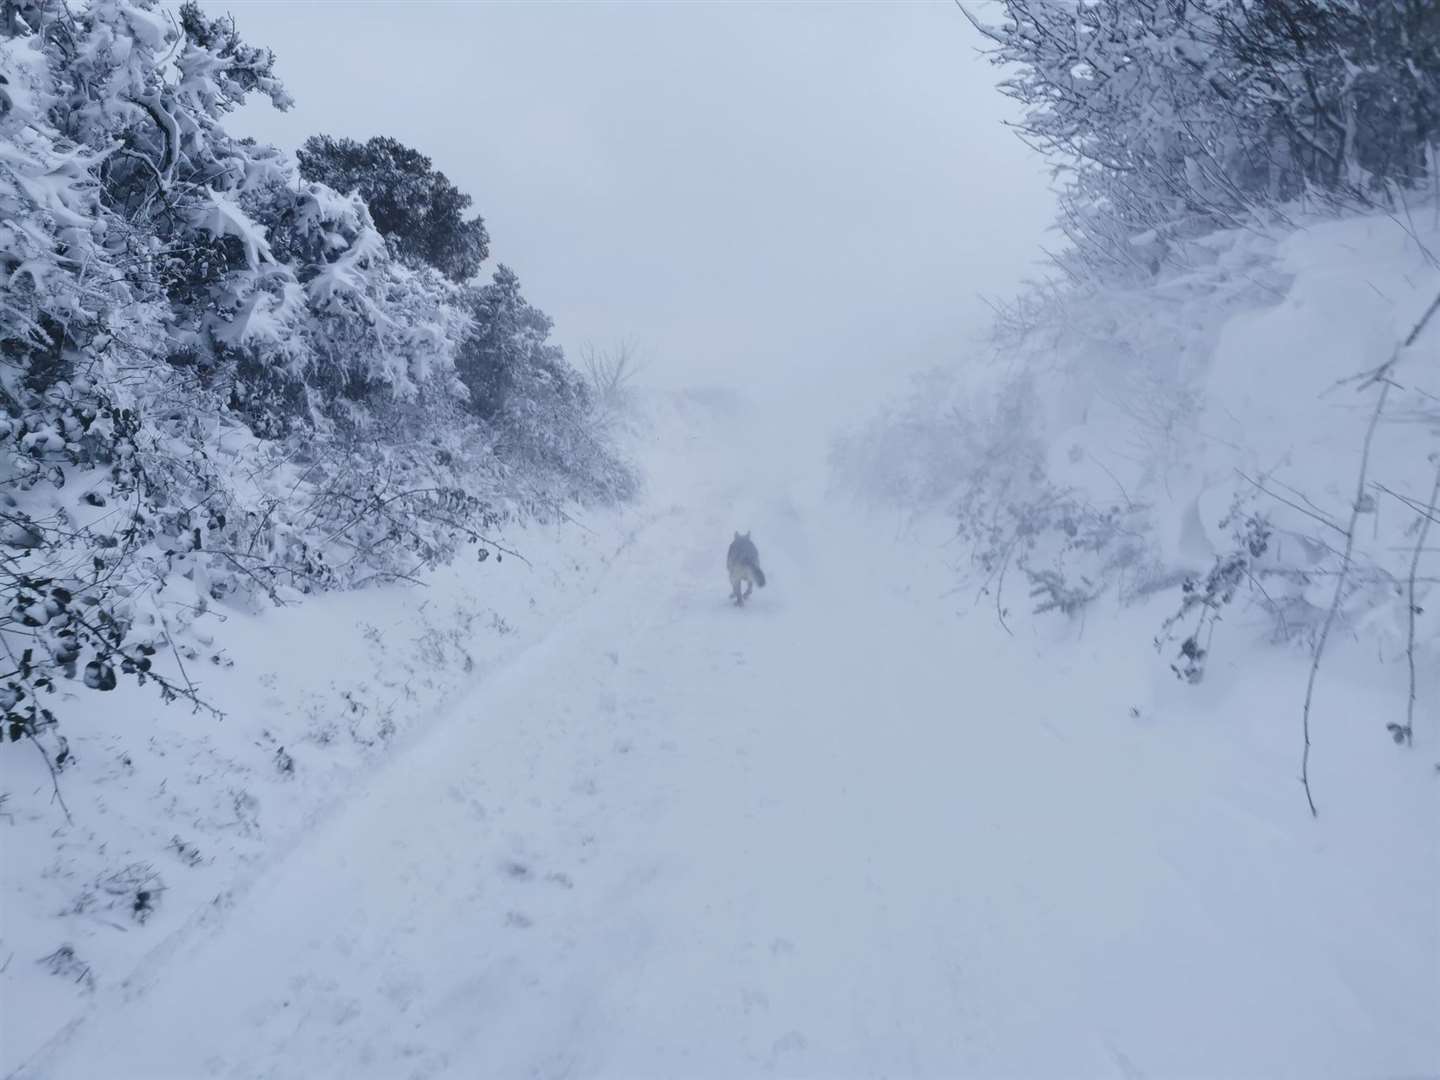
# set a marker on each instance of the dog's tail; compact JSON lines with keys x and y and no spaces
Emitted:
{"x":759,"y":575}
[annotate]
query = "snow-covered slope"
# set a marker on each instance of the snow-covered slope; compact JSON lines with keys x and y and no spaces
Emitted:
{"x":1222,"y":424}
{"x":842,"y":832}
{"x":174,"y":813}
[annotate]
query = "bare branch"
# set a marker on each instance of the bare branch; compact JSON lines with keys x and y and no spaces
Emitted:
{"x":1340,"y":580}
{"x":1408,"y":731}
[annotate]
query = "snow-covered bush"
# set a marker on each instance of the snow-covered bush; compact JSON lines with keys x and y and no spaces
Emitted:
{"x":1123,"y":431}
{"x":220,"y":383}
{"x":544,"y":416}
{"x":1226,"y":392}
{"x":1172,"y":119}
{"x":541,"y":418}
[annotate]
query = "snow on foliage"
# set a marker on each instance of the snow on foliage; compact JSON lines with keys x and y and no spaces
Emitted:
{"x":1225,"y":395}
{"x":1169,"y":120}
{"x":219,"y":383}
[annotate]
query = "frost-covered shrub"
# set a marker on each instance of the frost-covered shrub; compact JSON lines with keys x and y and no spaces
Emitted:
{"x":980,"y":456}
{"x":539,"y":415}
{"x":1206,"y":597}
{"x":946,"y":444}
{"x":543,"y":414}
{"x":1122,"y":433}
{"x":1170,"y":120}
{"x":219,"y":382}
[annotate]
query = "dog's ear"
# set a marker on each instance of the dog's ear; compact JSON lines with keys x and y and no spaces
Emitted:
{"x":737,"y":534}
{"x":747,"y":536}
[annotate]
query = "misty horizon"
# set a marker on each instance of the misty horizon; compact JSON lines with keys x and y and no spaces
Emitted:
{"x":761,"y":192}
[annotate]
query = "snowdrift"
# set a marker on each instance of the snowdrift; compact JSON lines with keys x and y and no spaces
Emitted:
{"x":1202,"y":436}
{"x":175,"y":812}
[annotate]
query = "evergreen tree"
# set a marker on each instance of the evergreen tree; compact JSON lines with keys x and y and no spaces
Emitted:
{"x":415,"y":206}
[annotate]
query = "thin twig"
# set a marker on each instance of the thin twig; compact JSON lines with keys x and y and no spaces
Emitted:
{"x":54,"y":780}
{"x":193,"y":694}
{"x":1381,"y":373}
{"x":1426,"y":518}
{"x":1123,"y":493}
{"x":1419,"y":326}
{"x":1275,"y":608}
{"x":1293,"y":505}
{"x":1382,"y":376}
{"x":1000,"y":585}
{"x":1425,"y":510}
{"x":1340,"y":579}
{"x":1270,"y":479}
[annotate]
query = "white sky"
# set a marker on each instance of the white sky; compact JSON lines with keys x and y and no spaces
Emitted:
{"x":746,"y":190}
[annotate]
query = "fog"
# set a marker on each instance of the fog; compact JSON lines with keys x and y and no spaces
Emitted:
{"x":754,"y":194}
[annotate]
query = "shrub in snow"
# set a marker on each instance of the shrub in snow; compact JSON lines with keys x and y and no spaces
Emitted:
{"x":540,"y":417}
{"x":1206,"y":597}
{"x":133,"y":891}
{"x":64,"y":963}
{"x":1223,"y":390}
{"x":1170,"y":120}
{"x":219,"y":380}
{"x":542,"y":412}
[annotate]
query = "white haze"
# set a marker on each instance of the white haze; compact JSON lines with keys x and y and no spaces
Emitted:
{"x":758,"y":193}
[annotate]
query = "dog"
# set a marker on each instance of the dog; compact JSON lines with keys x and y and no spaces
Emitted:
{"x":743,"y":562}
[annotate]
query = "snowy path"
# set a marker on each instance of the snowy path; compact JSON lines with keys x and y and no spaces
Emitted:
{"x":836,"y":834}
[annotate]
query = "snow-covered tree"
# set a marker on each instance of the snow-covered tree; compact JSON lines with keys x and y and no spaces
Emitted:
{"x":540,"y":408}
{"x":415,"y":206}
{"x":218,"y":380}
{"x":1173,"y":117}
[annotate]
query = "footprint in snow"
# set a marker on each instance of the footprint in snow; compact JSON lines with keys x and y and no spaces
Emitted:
{"x":516,"y":870}
{"x":752,"y":1001}
{"x":792,"y":1042}
{"x":586,"y":785}
{"x":518,"y":920}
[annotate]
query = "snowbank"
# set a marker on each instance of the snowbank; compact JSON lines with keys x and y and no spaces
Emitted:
{"x":1128,"y":439}
{"x":172,"y":813}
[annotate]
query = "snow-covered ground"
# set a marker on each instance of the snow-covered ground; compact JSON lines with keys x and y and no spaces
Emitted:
{"x":854,"y":829}
{"x":190,"y":810}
